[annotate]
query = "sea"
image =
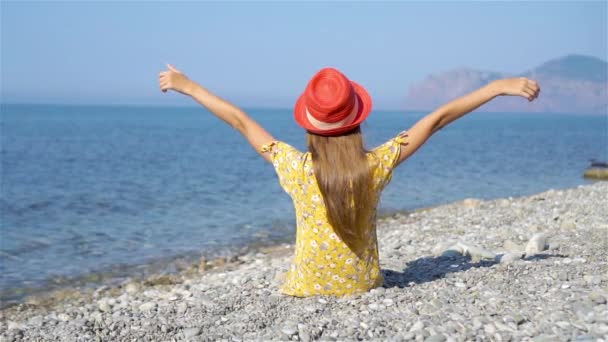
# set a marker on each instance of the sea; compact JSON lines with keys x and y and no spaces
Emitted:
{"x":91,"y":190}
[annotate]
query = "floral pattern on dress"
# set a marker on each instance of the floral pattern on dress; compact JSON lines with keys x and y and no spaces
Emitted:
{"x":323,"y":264}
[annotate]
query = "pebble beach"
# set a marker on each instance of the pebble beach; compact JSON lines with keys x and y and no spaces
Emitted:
{"x":531,"y":268}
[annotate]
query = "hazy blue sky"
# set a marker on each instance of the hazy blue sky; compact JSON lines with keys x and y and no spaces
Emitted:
{"x":263,"y":53}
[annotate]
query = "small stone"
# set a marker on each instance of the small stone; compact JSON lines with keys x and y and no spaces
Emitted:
{"x":378,"y":290}
{"x":63,"y":317}
{"x":310,"y":308}
{"x":409,"y":336}
{"x":11,"y":325}
{"x":502,"y":326}
{"x":435,"y":338}
{"x":36,"y":321}
{"x":289,"y":328}
{"x":545,"y":338}
{"x":519,"y":319}
{"x":490,"y":329}
{"x":96,"y":316}
{"x":203,"y":265}
{"x":568,"y":225}
{"x":100,"y":290}
{"x":597,"y":297}
{"x":417,"y":326}
{"x":537,"y":244}
{"x":132,"y":288}
{"x":510,"y":257}
{"x":471,"y":203}
{"x":451,"y":253}
{"x":191,"y":332}
{"x":181,"y":308}
{"x":513,"y":247}
{"x":388,"y":302}
{"x":103,"y":305}
{"x":442,"y":247}
{"x":373,"y":306}
{"x":475,"y":252}
{"x":147,"y":306}
{"x":477,"y":324}
{"x":593,"y":279}
{"x":304,"y":335}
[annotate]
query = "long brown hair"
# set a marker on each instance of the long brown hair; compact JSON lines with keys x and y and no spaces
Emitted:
{"x":344,"y":177}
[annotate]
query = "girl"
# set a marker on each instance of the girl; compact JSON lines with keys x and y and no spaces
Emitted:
{"x":336,"y":185}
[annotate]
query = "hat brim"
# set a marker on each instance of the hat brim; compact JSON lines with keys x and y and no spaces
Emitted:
{"x":365,"y":107}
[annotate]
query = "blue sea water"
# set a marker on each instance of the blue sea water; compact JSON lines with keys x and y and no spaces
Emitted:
{"x":85,"y":188}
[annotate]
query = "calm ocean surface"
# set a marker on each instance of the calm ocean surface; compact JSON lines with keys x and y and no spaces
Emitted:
{"x":85,"y":188}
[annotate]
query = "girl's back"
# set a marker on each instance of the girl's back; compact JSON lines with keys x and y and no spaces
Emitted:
{"x":325,"y":262}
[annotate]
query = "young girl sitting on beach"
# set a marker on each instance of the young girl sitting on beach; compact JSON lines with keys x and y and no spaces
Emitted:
{"x":336,"y":184}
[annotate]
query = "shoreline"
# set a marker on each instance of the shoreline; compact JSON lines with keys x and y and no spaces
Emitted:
{"x":162,"y":269}
{"x":153,"y":272}
{"x":170,"y":266}
{"x":158,"y":268}
{"x":455,"y":252}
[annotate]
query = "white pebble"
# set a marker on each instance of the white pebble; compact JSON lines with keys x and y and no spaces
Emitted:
{"x":147,"y":306}
{"x":537,"y":244}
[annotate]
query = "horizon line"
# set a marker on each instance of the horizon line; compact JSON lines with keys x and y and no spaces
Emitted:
{"x":417,"y":111}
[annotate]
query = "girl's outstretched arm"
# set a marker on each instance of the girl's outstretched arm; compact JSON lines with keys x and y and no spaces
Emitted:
{"x":442,"y":116}
{"x":257,"y":136}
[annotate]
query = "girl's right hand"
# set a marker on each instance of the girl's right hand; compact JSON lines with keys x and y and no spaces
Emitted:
{"x":174,"y":79}
{"x":519,"y":86}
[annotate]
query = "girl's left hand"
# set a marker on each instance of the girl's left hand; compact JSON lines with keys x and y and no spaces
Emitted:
{"x":174,"y":79}
{"x":519,"y":86}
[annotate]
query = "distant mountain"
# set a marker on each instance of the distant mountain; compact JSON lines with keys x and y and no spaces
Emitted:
{"x":571,"y":84}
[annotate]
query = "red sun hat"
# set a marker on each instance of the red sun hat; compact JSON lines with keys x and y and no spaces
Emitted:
{"x":332,"y":104}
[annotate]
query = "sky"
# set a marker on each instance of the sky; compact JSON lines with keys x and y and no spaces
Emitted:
{"x":262,"y":54}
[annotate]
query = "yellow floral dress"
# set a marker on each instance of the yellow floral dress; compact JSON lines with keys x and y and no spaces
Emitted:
{"x":323,"y":264}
